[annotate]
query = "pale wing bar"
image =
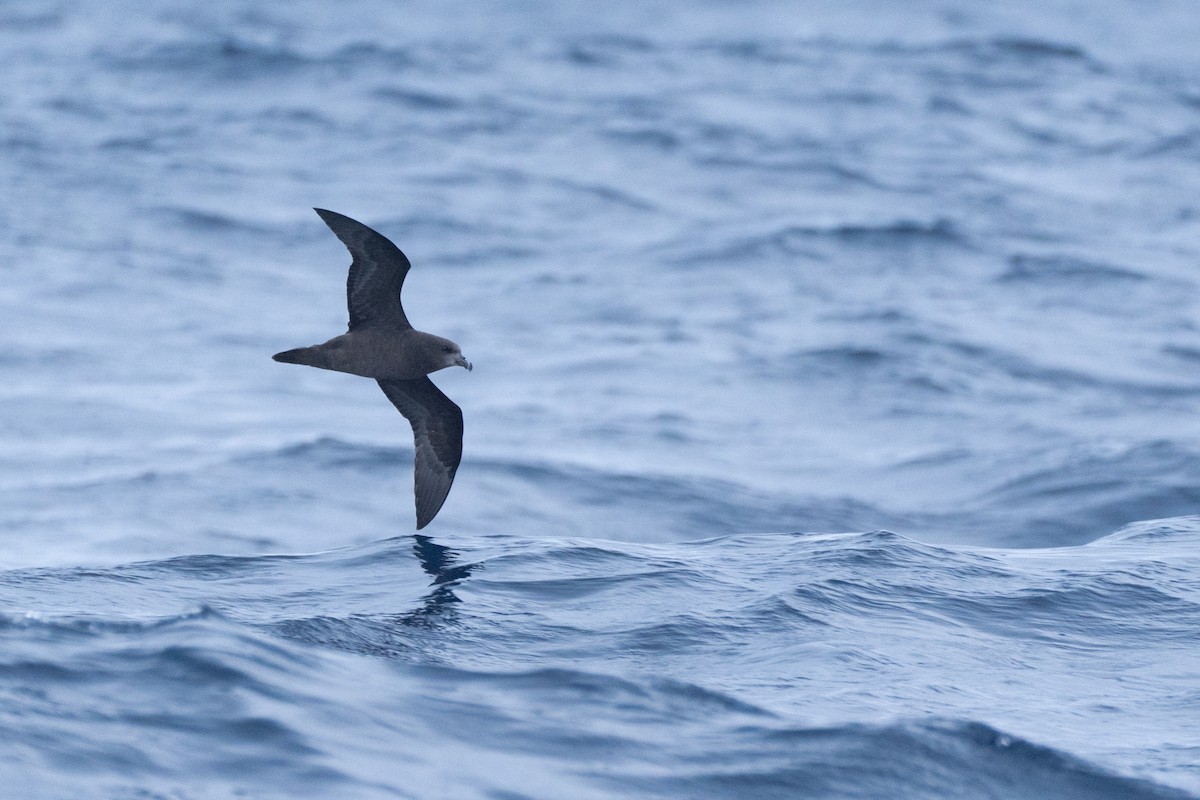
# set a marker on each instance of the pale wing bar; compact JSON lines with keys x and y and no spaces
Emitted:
{"x":376,"y":273}
{"x":437,"y":425}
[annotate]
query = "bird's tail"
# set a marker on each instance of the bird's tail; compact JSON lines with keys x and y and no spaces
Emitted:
{"x":301,"y":355}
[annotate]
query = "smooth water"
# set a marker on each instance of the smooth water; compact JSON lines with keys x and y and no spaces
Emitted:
{"x":834,"y":362}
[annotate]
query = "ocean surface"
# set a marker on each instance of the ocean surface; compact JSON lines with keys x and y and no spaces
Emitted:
{"x":834,"y":432}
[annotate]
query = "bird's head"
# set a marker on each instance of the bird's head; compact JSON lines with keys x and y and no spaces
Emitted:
{"x":451,"y":355}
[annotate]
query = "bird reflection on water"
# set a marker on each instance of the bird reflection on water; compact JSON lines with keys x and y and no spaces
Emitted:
{"x":439,"y":562}
{"x":391,"y":634}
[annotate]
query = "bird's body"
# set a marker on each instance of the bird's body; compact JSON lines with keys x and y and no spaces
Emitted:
{"x":379,"y":353}
{"x":381,"y":344}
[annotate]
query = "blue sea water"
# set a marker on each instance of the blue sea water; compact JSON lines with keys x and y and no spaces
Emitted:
{"x":835,"y":430}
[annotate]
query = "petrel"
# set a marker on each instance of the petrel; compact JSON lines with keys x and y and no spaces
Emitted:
{"x":381,"y":344}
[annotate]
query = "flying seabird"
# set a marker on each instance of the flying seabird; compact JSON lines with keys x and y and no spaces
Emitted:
{"x":381,"y":344}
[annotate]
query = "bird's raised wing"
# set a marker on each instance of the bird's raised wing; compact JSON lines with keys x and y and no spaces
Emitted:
{"x":376,"y":273}
{"x":437,"y":425}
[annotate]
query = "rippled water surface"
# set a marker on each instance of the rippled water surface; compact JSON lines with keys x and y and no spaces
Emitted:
{"x":834,"y":432}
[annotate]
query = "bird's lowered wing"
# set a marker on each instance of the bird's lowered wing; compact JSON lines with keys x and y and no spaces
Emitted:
{"x":437,"y":425}
{"x":376,"y":273}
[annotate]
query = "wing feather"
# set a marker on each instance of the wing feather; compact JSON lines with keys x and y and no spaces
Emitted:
{"x":437,"y":425}
{"x":376,"y":273}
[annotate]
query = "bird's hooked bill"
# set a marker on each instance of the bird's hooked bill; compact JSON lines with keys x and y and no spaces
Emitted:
{"x":462,"y":362}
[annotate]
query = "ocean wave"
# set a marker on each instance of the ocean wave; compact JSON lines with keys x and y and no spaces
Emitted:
{"x":234,"y":57}
{"x":925,"y":760}
{"x":1066,"y":269}
{"x":816,"y":571}
{"x":1094,"y":491}
{"x":805,"y":240}
{"x":1023,"y":49}
{"x":1062,"y":494}
{"x":557,"y":651}
{"x":246,"y":58}
{"x":782,"y":50}
{"x":1154,"y":530}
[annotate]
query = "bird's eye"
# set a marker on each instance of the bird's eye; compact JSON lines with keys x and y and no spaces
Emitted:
{"x":447,"y":350}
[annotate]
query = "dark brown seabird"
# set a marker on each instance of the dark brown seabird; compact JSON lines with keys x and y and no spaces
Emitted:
{"x":381,"y":344}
